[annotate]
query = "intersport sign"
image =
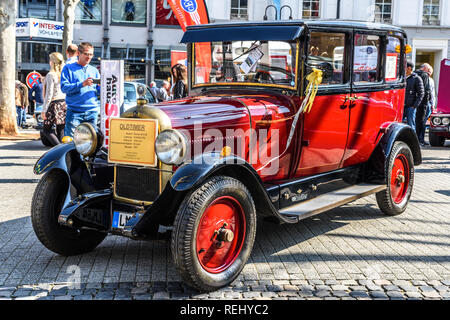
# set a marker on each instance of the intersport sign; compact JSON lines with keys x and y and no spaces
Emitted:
{"x":39,"y":28}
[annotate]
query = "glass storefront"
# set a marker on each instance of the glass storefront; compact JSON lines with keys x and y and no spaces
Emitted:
{"x":89,"y":11}
{"x":35,"y":52}
{"x":129,"y":11}
{"x":135,"y":62}
{"x":41,"y":9}
{"x":162,"y":64}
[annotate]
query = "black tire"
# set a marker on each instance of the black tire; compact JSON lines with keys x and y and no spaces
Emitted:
{"x":435,"y":140}
{"x":400,"y":165}
{"x":44,"y":140}
{"x":46,"y":205}
{"x":194,"y":264}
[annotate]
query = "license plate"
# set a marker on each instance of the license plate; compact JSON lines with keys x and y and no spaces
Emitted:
{"x":120,"y":219}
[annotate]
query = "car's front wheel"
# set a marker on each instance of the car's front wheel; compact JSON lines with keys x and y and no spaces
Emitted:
{"x":436,"y":141}
{"x":213,"y":233}
{"x":399,"y":171}
{"x":46,"y":205}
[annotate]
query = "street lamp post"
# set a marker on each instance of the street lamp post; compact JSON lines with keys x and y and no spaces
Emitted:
{"x":276,"y":12}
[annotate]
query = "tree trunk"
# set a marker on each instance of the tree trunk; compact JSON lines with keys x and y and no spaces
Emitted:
{"x":69,"y":18}
{"x":8,"y":122}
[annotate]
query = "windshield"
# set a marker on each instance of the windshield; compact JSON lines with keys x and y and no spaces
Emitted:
{"x":271,"y":63}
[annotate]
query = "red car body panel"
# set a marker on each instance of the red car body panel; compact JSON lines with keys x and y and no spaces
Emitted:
{"x":367,"y":115}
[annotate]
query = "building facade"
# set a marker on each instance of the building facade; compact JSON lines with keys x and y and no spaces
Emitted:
{"x":144,"y":33}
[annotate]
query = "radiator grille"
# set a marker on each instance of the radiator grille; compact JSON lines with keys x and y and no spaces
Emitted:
{"x":137,"y":184}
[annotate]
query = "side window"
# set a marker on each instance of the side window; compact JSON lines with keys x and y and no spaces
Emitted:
{"x":392,"y":68}
{"x":129,"y":93}
{"x":326,"y":51}
{"x":366,"y":59}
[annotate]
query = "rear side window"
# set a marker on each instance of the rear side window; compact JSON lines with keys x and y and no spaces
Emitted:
{"x":129,"y":93}
{"x":327,"y":52}
{"x":392,"y":67}
{"x":366,"y":59}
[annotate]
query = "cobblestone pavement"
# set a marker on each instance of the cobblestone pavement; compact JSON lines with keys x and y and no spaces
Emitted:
{"x":352,"y":252}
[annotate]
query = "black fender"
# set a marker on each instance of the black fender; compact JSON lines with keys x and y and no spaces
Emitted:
{"x":374,"y":168}
{"x":401,"y":132}
{"x":190,"y":176}
{"x":65,"y":158}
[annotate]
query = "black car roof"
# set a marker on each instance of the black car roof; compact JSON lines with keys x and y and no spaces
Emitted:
{"x":308,"y":23}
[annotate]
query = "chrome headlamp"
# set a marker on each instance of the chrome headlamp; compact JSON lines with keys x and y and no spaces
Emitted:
{"x":445,"y":121}
{"x":85,"y":139}
{"x":171,"y":146}
{"x":437,"y":121}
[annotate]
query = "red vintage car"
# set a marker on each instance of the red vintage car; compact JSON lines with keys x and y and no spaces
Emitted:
{"x":440,"y":118}
{"x":284,"y":120}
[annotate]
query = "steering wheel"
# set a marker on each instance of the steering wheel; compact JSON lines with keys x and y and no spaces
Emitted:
{"x":264,"y":75}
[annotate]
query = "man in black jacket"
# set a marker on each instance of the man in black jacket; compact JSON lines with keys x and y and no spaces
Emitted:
{"x":414,"y":95}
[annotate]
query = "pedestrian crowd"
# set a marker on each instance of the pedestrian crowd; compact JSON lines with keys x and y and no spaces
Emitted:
{"x":68,"y":94}
{"x":420,"y":98}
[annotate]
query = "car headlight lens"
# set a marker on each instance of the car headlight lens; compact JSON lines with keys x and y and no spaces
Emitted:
{"x":170,"y":147}
{"x":85,"y":139}
{"x":436,"y":121}
{"x":445,"y":121}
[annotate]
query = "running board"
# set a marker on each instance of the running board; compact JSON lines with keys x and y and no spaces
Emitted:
{"x":331,"y":200}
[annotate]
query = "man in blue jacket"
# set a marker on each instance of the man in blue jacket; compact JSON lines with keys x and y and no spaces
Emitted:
{"x":77,"y":82}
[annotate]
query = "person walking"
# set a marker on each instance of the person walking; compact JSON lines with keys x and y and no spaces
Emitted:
{"x":54,"y":108}
{"x":36,"y":95}
{"x":77,"y":82}
{"x":179,"y":74}
{"x":424,"y":107}
{"x":414,"y":95}
{"x":21,"y":98}
{"x":71,"y":53}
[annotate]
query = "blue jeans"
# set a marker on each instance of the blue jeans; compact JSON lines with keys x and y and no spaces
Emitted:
{"x":74,"y":119}
{"x":410,"y":117}
{"x":21,"y":116}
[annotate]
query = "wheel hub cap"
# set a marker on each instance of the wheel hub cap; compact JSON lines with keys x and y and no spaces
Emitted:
{"x":220,"y":234}
{"x":399,"y":178}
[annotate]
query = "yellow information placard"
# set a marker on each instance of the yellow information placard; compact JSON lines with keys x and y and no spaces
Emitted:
{"x":132,"y":141}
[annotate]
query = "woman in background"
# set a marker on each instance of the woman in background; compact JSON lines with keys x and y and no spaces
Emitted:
{"x":54,"y":108}
{"x":179,"y":74}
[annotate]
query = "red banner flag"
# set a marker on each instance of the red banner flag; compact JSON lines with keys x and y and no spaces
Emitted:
{"x":190,"y":12}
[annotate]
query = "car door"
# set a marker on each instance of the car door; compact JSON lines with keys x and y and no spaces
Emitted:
{"x":325,"y":127}
{"x":374,"y":98}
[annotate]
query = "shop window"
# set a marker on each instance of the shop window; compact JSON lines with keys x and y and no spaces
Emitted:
{"x":383,"y":11}
{"x":41,"y":51}
{"x":23,"y":52}
{"x":392,"y":67}
{"x":89,"y":11}
{"x":118,"y":53}
{"x":239,"y":9}
{"x":162,"y":64}
{"x":326,"y":52}
{"x":41,"y":9}
{"x":129,"y":11}
{"x":431,"y":12}
{"x":366,"y":59}
{"x":310,"y":9}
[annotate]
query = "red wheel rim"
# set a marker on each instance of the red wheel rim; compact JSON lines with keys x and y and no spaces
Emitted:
{"x":213,"y":252}
{"x":399,"y":179}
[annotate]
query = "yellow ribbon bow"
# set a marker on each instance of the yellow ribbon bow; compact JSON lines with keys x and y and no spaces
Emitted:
{"x":314,"y":78}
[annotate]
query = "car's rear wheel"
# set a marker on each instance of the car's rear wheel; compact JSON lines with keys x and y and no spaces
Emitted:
{"x":435,"y":140}
{"x":399,"y":172}
{"x":213,"y":233}
{"x":46,"y":205}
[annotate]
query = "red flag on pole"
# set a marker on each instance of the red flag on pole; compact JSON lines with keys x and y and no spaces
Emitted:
{"x":189,"y":13}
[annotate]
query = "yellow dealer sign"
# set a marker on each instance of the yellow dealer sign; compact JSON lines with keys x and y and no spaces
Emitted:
{"x":132,"y":141}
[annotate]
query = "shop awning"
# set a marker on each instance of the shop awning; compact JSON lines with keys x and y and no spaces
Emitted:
{"x":242,"y":33}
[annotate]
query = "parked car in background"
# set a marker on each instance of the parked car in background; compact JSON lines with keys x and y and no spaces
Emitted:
{"x":130,"y":95}
{"x":439,"y":129}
